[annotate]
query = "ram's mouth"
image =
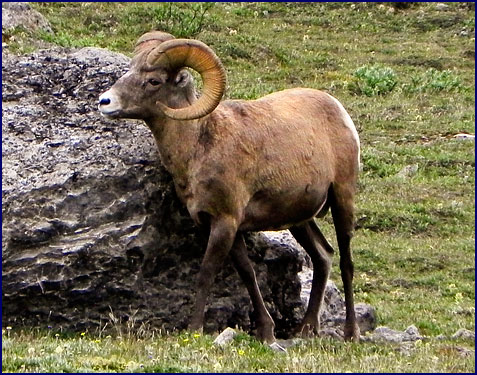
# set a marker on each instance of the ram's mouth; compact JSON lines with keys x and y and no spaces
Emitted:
{"x":109,"y":114}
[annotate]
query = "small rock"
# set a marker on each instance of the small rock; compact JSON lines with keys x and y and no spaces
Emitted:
{"x":464,"y":334}
{"x":442,"y":7}
{"x":385,"y":334}
{"x":408,"y":171}
{"x":464,"y":137}
{"x":225,"y":337}
{"x":290,"y":342}
{"x":412,"y":332}
{"x":365,"y":316}
{"x":277,"y":347}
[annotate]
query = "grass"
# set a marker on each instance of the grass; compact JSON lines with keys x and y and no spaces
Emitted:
{"x":185,"y":352}
{"x":414,"y":248}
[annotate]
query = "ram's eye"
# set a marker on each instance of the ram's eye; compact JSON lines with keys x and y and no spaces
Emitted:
{"x":154,"y":82}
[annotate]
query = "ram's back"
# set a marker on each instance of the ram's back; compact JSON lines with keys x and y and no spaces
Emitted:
{"x":280,"y":153}
{"x":288,"y":135}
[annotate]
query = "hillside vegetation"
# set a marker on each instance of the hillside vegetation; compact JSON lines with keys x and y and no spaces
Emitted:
{"x":406,"y":75}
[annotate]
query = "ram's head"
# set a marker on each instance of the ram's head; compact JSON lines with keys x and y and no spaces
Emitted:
{"x":157,"y":84}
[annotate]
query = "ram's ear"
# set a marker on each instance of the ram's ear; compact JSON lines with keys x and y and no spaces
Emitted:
{"x":182,"y":79}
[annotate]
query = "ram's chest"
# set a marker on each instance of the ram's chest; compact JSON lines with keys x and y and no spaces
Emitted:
{"x":215,"y":191}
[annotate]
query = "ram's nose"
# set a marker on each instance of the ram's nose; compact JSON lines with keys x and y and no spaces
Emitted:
{"x":104,"y":101}
{"x":108,"y":103}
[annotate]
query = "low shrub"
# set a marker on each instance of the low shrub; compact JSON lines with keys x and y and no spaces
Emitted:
{"x":373,"y":80}
{"x":434,"y":80}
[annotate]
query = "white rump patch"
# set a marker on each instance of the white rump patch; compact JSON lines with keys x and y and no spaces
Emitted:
{"x":350,"y":124}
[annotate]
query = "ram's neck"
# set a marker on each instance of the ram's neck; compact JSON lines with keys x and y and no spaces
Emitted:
{"x":176,"y":141}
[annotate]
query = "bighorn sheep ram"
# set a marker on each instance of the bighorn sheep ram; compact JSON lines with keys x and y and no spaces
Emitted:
{"x":268,"y":164}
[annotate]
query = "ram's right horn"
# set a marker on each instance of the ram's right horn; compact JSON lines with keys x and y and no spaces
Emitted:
{"x":179,"y":53}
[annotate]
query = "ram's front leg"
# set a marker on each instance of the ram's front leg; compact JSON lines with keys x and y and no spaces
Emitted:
{"x":221,"y":238}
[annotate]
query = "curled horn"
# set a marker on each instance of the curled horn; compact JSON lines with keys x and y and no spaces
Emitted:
{"x":179,"y":53}
{"x":151,"y":39}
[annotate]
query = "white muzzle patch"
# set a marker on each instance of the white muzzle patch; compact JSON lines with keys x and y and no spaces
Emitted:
{"x":108,"y":103}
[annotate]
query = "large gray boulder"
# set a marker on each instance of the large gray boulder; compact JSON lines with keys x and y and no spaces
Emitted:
{"x":92,"y":228}
{"x":91,"y":223}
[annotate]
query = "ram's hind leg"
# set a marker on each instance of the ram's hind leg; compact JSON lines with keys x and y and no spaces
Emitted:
{"x":320,"y":251}
{"x":342,"y":209}
{"x":242,"y":264}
